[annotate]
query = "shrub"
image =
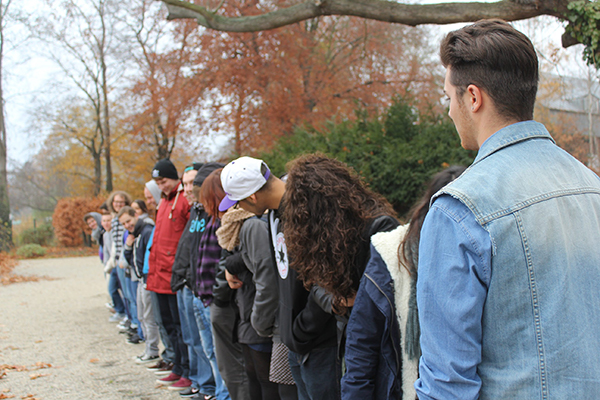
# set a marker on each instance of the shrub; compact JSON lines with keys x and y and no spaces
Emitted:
{"x":396,"y":154}
{"x":67,"y":220}
{"x":31,"y":251}
{"x":42,"y":235}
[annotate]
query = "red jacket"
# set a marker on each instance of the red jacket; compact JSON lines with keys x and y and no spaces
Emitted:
{"x":171,"y":217}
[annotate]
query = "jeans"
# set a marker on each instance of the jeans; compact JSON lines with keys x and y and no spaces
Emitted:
{"x":200,"y":369}
{"x":125,"y":292}
{"x":317,"y":374}
{"x":202,"y":314}
{"x":170,"y":318}
{"x":258,"y":364}
{"x":133,"y":289}
{"x":229,"y":353}
{"x":113,"y":291}
{"x":168,"y":355}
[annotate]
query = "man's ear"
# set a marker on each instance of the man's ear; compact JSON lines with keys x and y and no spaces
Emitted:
{"x":474,"y":98}
{"x":252,"y":198}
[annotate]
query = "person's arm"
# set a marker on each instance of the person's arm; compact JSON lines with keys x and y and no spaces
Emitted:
{"x":323,"y":298}
{"x":454,"y":274}
{"x":364,"y":332}
{"x":254,"y":238}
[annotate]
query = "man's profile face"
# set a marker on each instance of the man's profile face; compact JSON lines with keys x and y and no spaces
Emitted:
{"x":128,"y":222}
{"x":253,"y":204}
{"x":149,"y":198}
{"x":166,"y":185}
{"x":460,"y":115}
{"x":188,"y":185}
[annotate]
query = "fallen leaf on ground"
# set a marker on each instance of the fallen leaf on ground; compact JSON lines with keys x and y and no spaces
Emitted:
{"x":41,"y":365}
{"x":17,"y":368}
{"x":39,"y":341}
{"x":6,"y":396}
{"x":94,"y":360}
{"x":35,"y":376}
{"x":30,"y":397}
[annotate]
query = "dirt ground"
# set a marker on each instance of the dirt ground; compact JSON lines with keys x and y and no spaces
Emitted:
{"x":58,"y":335}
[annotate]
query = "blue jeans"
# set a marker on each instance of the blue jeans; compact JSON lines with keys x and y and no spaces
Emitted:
{"x":113,"y":291}
{"x":133,"y":286}
{"x":317,"y":374}
{"x":202,"y":314}
{"x":200,"y":369}
{"x":125,"y":291}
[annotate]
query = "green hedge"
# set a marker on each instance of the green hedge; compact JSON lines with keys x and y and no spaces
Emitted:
{"x":396,"y":153}
{"x":42,"y":235}
{"x":31,"y":251}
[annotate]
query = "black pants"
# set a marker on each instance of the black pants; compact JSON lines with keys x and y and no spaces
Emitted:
{"x":169,"y":313}
{"x":257,"y":365}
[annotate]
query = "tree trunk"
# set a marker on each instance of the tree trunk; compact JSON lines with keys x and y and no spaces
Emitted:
{"x":5,"y":222}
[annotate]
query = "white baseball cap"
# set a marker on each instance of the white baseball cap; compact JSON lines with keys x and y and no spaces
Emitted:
{"x":240,"y":179}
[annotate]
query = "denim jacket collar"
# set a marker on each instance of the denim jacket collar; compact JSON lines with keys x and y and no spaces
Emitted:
{"x":510,"y":135}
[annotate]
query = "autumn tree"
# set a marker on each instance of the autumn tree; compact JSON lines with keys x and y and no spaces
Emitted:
{"x":82,"y":40}
{"x":263,"y":84}
{"x":163,"y":91}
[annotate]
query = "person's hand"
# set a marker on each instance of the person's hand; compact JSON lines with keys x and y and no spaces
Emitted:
{"x":129,"y":241}
{"x":348,"y":301}
{"x":233,"y":280}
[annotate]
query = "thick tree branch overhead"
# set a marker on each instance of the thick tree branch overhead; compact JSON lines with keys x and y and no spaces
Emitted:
{"x":381,"y":10}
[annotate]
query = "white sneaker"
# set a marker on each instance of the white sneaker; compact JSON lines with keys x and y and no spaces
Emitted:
{"x":116,"y":317}
{"x":145,"y":359}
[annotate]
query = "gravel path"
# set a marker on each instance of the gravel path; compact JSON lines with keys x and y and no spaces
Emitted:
{"x":63,"y":323}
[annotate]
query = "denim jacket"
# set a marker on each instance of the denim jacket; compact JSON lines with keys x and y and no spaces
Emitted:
{"x":541,"y":316}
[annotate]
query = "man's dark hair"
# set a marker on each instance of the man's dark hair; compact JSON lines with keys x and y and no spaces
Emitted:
{"x":497,"y":58}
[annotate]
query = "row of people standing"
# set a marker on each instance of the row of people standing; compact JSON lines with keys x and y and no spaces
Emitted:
{"x":329,"y":297}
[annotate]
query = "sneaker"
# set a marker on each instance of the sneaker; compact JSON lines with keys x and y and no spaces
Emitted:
{"x":189,"y":392}
{"x":134,"y":339}
{"x":169,"y":379}
{"x":146,"y":359}
{"x":181,"y":384}
{"x":116,"y":317}
{"x":159,"y":365}
{"x":125,"y":324}
{"x":210,"y":397}
{"x":166,"y":370}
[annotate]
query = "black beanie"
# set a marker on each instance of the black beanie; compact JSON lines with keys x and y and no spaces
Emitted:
{"x":205,"y":171}
{"x":165,"y":169}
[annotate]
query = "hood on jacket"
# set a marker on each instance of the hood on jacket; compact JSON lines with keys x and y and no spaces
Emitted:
{"x":143,"y":220}
{"x":94,"y":215}
{"x":205,"y":171}
{"x":154,"y":190}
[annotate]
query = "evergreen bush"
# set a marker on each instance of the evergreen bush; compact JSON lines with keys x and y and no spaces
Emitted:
{"x":31,"y":251}
{"x":42,"y":235}
{"x":396,"y":153}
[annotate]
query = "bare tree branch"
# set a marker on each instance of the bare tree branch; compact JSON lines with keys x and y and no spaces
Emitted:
{"x":381,"y":10}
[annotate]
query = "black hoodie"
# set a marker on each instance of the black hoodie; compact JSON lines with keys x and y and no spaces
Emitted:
{"x":186,"y":258}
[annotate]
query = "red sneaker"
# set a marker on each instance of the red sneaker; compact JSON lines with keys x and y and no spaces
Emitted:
{"x":181,"y":384}
{"x":168,"y":380}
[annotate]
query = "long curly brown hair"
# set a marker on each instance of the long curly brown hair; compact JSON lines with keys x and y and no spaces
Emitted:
{"x":326,"y":210}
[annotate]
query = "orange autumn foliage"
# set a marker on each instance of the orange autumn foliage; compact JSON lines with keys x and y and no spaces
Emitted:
{"x":67,"y":220}
{"x":256,"y":87}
